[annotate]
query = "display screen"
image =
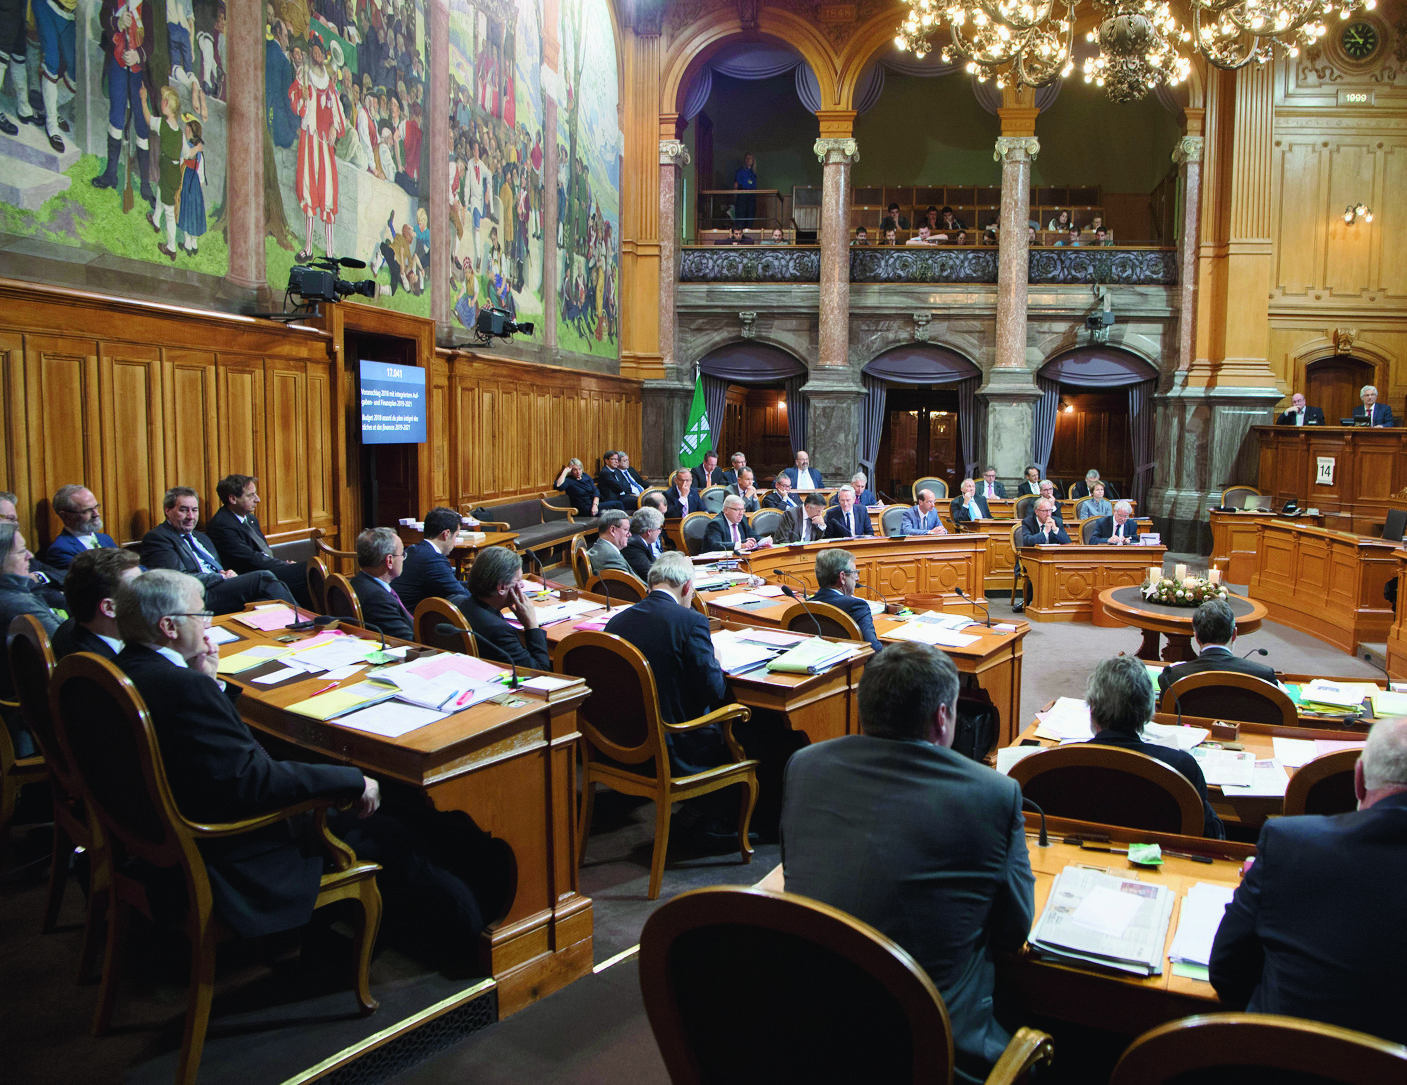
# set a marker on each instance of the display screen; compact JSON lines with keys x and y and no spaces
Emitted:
{"x":393,"y":403}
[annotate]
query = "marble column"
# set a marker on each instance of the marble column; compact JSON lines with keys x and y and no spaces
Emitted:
{"x":837,"y":156}
{"x":1013,"y":247}
{"x":440,"y":175}
{"x":244,"y":158}
{"x":833,"y":399}
{"x":673,"y":158}
{"x":1188,"y":156}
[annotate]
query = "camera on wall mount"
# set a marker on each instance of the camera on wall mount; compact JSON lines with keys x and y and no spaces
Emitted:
{"x":493,"y":324}
{"x":317,"y":281}
{"x":1099,"y":324}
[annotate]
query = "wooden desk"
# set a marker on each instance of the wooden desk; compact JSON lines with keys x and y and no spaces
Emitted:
{"x":1369,"y":467}
{"x":1004,"y":508}
{"x":1328,"y":584}
{"x":1397,"y":635}
{"x":1126,"y":604}
{"x":1066,"y":579}
{"x":993,"y":662}
{"x":1234,"y":541}
{"x":513,"y":770}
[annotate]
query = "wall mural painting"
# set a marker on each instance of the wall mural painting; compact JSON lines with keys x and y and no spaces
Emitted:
{"x":345,"y":151}
{"x":495,"y":125}
{"x":112,"y":129}
{"x":588,"y":182}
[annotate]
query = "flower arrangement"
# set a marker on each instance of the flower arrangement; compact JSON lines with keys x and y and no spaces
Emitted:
{"x":1189,"y":591}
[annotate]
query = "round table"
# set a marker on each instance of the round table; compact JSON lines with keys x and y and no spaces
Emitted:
{"x":1157,"y":620}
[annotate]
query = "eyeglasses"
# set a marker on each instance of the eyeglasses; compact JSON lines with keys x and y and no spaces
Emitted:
{"x":204,"y":615}
{"x":13,"y":519}
{"x":89,"y":511}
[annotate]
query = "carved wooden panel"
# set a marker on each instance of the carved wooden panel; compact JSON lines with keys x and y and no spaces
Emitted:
{"x":133,"y":481}
{"x":286,"y":507}
{"x":193,"y":431}
{"x":242,"y":418}
{"x":62,"y":397}
{"x":321,"y":494}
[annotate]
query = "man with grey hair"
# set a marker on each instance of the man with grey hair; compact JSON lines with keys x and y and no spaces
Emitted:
{"x":922,"y":843}
{"x":849,"y":519}
{"x":1043,"y":526}
{"x":380,"y":559}
{"x":263,"y":881}
{"x":729,"y":530}
{"x":495,"y":582}
{"x":1298,"y":938}
{"x":1214,"y":630}
{"x":864,"y":496}
{"x":613,"y":531}
{"x":1120,"y":529}
{"x":176,"y":544}
{"x":644,"y":547}
{"x":83,"y":525}
{"x":836,"y":578}
{"x":737,"y":463}
{"x":1120,"y":696}
{"x":1372,"y":413}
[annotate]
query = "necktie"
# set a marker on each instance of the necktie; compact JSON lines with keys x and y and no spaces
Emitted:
{"x":202,"y":557}
{"x":736,"y":539}
{"x":258,"y":537}
{"x":972,"y":510}
{"x":1299,"y":418}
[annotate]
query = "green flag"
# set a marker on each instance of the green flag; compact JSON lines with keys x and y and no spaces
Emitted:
{"x":696,"y":440}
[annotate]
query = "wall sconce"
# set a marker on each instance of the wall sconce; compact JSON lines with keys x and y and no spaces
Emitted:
{"x":1355,"y":211}
{"x":1065,"y":407}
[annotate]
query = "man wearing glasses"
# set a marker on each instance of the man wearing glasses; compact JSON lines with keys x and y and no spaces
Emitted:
{"x":83,"y":525}
{"x":836,"y":578}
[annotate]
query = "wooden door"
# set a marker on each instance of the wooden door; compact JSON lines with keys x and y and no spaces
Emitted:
{"x":1333,"y":383}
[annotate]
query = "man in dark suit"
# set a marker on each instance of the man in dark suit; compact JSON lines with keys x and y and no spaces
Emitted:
{"x":1214,"y":628}
{"x":83,"y":525}
{"x":835,"y":584}
{"x":47,"y":581}
{"x":990,"y":487}
{"x":744,"y":488}
{"x":1301,"y":415}
{"x":1031,"y":484}
{"x":1298,"y":938}
{"x":236,"y":533}
{"x":681,"y":498}
{"x":1372,"y":412}
{"x":1120,"y":696}
{"x":380,"y":558}
{"x":864,"y":496}
{"x":969,"y":505}
{"x":495,"y":582}
{"x":615,"y":484}
{"x":708,"y":473}
{"x":1085,"y":487}
{"x":921,"y":843}
{"x":1042,"y":527}
{"x":634,"y":481}
{"x":263,"y":881}
{"x":18,"y":598}
{"x":176,"y":544}
{"x":849,"y":519}
{"x":426,"y":570}
{"x":1117,"y":530}
{"x":644,"y":546}
{"x":805,"y":522}
{"x":729,"y":530}
{"x":781,"y":496}
{"x":91,"y":591}
{"x":803,"y":476}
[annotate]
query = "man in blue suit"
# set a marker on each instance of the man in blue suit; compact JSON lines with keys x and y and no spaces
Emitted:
{"x":380,"y":558}
{"x":83,"y":525}
{"x":990,"y":487}
{"x":1279,"y":949}
{"x":1117,"y":530}
{"x":923,"y":518}
{"x":969,"y":504}
{"x":681,"y":498}
{"x":864,"y":496}
{"x":802,"y":477}
{"x":849,"y":519}
{"x":836,"y":578}
{"x":427,"y":570}
{"x":1372,"y":412}
{"x":922,"y":843}
{"x":495,"y":582}
{"x":1043,"y":527}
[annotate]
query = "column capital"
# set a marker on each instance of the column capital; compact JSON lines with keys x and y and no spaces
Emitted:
{"x":1188,"y":149}
{"x":1016,"y":148}
{"x":830,"y":151}
{"x":673,"y":153}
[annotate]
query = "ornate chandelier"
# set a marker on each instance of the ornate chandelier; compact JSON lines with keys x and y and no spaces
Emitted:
{"x":1141,"y":45}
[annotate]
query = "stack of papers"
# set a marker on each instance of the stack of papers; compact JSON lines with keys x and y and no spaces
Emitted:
{"x":1117,"y":923}
{"x":1067,"y":719}
{"x":561,"y":612}
{"x":811,"y":657}
{"x":340,"y":701}
{"x":329,"y":651}
{"x":1268,"y":780}
{"x":1389,"y":703}
{"x":1008,"y":756}
{"x":1235,"y":768}
{"x":1295,"y":753}
{"x":925,"y":633}
{"x":268,"y":618}
{"x":943,"y":621}
{"x":1336,"y":695}
{"x":1174,"y":737}
{"x":1202,"y":911}
{"x":738,"y":656}
{"x":390,"y":719}
{"x":250,"y":658}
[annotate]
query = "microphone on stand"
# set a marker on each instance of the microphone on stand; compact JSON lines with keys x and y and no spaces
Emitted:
{"x":541,"y":572}
{"x":800,"y":598}
{"x":1256,"y":652}
{"x":882,"y":597}
{"x":1044,"y":840}
{"x":299,"y":623}
{"x":973,"y":602}
{"x":444,"y":629}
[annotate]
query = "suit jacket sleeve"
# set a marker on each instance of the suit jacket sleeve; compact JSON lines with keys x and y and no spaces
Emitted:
{"x":715,"y":537}
{"x":437,"y":578}
{"x":909,"y":522}
{"x":1014,"y":909}
{"x":603,"y":558}
{"x":1238,"y":955}
{"x":703,"y":660}
{"x":610,"y":487}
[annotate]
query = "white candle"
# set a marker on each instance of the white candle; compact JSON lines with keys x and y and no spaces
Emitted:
{"x":1180,"y":572}
{"x":1214,"y":576}
{"x":1155,"y":573}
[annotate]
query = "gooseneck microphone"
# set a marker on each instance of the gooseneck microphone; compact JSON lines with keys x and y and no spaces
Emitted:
{"x":444,"y":629}
{"x":800,"y":598}
{"x":963,"y":595}
{"x":1256,"y":652}
{"x":882,"y":597}
{"x":329,"y":619}
{"x":1026,"y":803}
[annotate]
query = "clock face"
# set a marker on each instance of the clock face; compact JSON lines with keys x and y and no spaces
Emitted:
{"x":1359,"y":40}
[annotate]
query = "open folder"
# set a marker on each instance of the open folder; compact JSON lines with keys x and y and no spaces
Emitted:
{"x":811,"y":657}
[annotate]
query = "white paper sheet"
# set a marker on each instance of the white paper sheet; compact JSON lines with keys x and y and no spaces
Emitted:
{"x":390,"y":719}
{"x":1067,"y":718}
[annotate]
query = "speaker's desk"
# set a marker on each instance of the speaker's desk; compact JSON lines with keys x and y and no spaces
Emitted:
{"x":1234,"y":541}
{"x":512,"y":770}
{"x":1066,"y":579}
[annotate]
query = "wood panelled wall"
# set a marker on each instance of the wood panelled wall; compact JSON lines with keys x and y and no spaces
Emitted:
{"x":130,"y":399}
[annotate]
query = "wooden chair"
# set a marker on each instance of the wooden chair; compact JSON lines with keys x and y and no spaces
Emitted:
{"x":342,"y":601}
{"x":1256,"y":1048}
{"x":1323,"y":785}
{"x":1022,"y":508}
{"x":32,"y":665}
{"x":1091,"y":782}
{"x":581,"y":561}
{"x":717,"y":962}
{"x":622,"y":587}
{"x":891,"y":520}
{"x":1235,"y":496}
{"x":317,"y":583}
{"x":939,"y":486}
{"x":16,"y":773}
{"x":333,"y":556}
{"x":712,"y":498}
{"x":434,"y":611}
{"x":696,"y":601}
{"x":766,"y":522}
{"x":625,"y":740}
{"x":1230,"y":695}
{"x":692,"y":529}
{"x":104,"y":730}
{"x":834,"y":622}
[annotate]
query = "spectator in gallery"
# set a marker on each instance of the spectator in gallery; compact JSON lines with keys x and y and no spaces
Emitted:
{"x":1101,"y":237}
{"x":961,"y":238}
{"x":777,"y":238}
{"x":893,"y":220}
{"x":1071,"y":238}
{"x":930,"y":216}
{"x":1096,"y":224}
{"x":949,"y":222}
{"x":1059,"y":222}
{"x":923,"y":237}
{"x":862,"y":236}
{"x":1031,"y":238}
{"x":891,"y":236}
{"x":745,"y":179}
